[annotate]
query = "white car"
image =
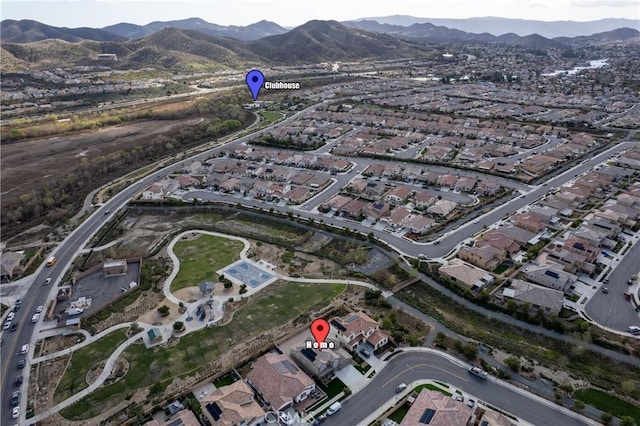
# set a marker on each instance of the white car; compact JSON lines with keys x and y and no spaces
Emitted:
{"x":16,"y":412}
{"x":634,"y":329}
{"x":285,"y":418}
{"x":25,"y":349}
{"x":6,"y":325}
{"x":35,"y":317}
{"x":39,"y":309}
{"x":11,"y":316}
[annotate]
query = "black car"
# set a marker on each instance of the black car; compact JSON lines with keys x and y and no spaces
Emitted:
{"x":18,"y":380}
{"x":14,"y":326}
{"x":365,"y":353}
{"x":21,"y":364}
{"x":15,"y":398}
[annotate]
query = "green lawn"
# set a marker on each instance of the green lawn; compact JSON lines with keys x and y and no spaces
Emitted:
{"x":608,"y":403}
{"x":398,"y":415}
{"x":271,"y":117}
{"x":275,"y":305}
{"x":82,"y":360}
{"x":433,"y":388}
{"x":202,"y":257}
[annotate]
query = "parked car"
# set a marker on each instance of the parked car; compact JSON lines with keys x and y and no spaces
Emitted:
{"x":15,"y":398}
{"x":11,"y":316}
{"x":633,"y":329}
{"x":39,"y":309}
{"x":471,"y":403}
{"x":6,"y":325}
{"x":321,"y":418}
{"x":18,"y":380}
{"x":285,"y":418}
{"x":365,"y":353}
{"x":25,"y":349}
{"x":35,"y":317}
{"x":14,"y":326}
{"x":16,"y":412}
{"x":21,"y":364}
{"x":605,"y":290}
{"x":401,"y":387}
{"x":334,"y":408}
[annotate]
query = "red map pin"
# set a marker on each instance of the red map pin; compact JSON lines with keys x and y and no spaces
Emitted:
{"x":320,"y":331}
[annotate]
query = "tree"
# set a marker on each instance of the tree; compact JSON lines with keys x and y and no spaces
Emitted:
{"x":513,"y":363}
{"x":227,"y":284}
{"x":628,"y":387}
{"x":627,"y":421}
{"x":470,"y":351}
{"x":163,"y":310}
{"x":578,"y":405}
{"x":178,"y":326}
{"x":606,"y":418}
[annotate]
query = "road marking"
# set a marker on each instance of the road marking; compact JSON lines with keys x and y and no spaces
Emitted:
{"x":423,"y":365}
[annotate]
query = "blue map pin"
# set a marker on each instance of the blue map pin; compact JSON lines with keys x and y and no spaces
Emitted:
{"x":254,"y":80}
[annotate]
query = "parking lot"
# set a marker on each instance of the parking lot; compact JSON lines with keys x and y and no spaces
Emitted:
{"x":101,"y":290}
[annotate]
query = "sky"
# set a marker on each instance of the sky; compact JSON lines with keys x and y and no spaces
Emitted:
{"x":290,"y":13}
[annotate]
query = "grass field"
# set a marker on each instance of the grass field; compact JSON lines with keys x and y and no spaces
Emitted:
{"x":200,"y":258}
{"x":608,"y":403}
{"x":82,"y":360}
{"x":271,"y":117}
{"x":275,"y":305}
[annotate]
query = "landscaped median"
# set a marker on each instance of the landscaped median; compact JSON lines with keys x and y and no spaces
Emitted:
{"x":276,"y":305}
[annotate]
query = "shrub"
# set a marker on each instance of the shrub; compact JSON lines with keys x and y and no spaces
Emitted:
{"x":164,"y":310}
{"x":178,"y":326}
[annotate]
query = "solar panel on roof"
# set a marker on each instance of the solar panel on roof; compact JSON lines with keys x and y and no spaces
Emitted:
{"x":292,"y":368}
{"x":310,"y":354}
{"x":282,"y":369}
{"x":427,"y":416}
{"x":337,"y":325}
{"x":214,"y":410}
{"x":552,"y":274}
{"x":351,"y":319}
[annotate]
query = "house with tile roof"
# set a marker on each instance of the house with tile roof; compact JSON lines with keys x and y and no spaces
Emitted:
{"x":279,"y":381}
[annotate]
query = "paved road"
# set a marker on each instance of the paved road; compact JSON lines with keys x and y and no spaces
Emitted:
{"x":407,"y":367}
{"x":612,"y":310}
{"x":450,"y":240}
{"x":68,"y":249}
{"x":65,"y":253}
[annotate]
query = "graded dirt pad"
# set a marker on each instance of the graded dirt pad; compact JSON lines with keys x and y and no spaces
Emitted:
{"x":31,"y":163}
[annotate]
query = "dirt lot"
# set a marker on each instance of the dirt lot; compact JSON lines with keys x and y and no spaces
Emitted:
{"x":26,"y":164}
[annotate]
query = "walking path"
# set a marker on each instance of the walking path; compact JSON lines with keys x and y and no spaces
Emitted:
{"x":190,"y":326}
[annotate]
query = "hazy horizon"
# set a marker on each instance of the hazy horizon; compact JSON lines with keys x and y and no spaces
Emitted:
{"x":288,"y":13}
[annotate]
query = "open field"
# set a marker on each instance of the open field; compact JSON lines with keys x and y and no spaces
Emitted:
{"x":74,"y":378}
{"x":28,"y":163}
{"x":201,"y":257}
{"x":274,"y":306}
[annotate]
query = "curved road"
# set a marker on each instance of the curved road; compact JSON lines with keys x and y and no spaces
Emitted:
{"x":65,"y":253}
{"x":409,"y":366}
{"x":67,"y":250}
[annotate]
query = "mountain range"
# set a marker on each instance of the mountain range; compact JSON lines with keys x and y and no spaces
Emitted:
{"x":522,"y":27}
{"x":313,"y":42}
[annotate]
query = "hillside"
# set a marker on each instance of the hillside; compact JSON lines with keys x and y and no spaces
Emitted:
{"x":250,"y":32}
{"x":28,"y":31}
{"x":320,"y":41}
